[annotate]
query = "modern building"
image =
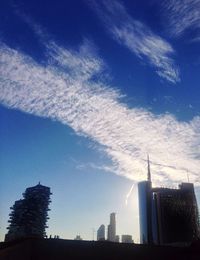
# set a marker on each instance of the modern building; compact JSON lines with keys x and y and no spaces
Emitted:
{"x":101,"y":233}
{"x":127,"y":239}
{"x":112,"y":228}
{"x":78,"y":237}
{"x":117,"y":239}
{"x":29,"y":215}
{"x":167,"y":216}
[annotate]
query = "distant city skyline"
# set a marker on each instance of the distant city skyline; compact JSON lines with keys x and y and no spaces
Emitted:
{"x":87,"y":89}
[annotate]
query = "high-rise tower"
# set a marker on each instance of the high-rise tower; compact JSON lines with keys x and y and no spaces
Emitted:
{"x":167,"y":216}
{"x":145,"y":208}
{"x":101,"y":233}
{"x":29,"y":215}
{"x":112,"y":228}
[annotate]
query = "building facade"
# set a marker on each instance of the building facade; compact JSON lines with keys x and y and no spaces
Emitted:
{"x":167,"y":216}
{"x":117,"y":238}
{"x":176,"y":214}
{"x":29,"y":215}
{"x":112,"y":228}
{"x":127,"y":239}
{"x":101,"y":233}
{"x":78,"y":237}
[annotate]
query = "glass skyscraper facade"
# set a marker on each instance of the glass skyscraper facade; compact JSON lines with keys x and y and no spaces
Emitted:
{"x":144,"y":189}
{"x":167,"y":216}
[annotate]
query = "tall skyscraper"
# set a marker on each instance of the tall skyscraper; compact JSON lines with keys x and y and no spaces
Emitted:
{"x":145,"y":209}
{"x":167,"y":215}
{"x":101,"y":233}
{"x":112,"y":228}
{"x":29,"y":215}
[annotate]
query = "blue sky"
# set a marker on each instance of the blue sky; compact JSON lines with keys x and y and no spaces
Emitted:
{"x":87,"y":90}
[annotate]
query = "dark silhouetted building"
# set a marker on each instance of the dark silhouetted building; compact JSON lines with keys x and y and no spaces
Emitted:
{"x":127,"y":239}
{"x":29,"y":215}
{"x":78,"y":237}
{"x":167,"y":216}
{"x":101,"y":233}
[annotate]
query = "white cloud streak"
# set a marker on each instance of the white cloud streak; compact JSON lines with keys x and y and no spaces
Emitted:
{"x":182,"y":15}
{"x":138,"y":38}
{"x":64,"y":90}
{"x":129,"y":194}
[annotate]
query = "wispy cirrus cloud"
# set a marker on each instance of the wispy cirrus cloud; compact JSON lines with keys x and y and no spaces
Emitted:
{"x":182,"y":15}
{"x":138,"y":38}
{"x":65,"y":90}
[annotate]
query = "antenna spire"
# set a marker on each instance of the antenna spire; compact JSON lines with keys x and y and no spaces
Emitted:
{"x":148,"y":169}
{"x":188,"y":177}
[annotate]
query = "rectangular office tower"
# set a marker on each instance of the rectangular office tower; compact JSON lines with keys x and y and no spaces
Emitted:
{"x":167,"y":216}
{"x":112,"y":228}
